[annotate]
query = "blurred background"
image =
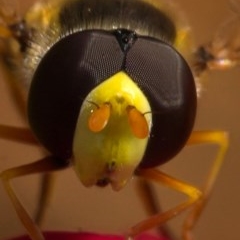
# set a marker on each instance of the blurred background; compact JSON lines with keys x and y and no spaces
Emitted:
{"x":73,"y":207}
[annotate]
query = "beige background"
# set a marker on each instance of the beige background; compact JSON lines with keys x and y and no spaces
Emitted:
{"x":73,"y":207}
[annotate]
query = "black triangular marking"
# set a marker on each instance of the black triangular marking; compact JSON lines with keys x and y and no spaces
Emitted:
{"x":125,"y":38}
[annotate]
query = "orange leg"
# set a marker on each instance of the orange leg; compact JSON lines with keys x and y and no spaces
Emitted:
{"x":45,"y":195}
{"x":151,"y":204}
{"x":213,"y":137}
{"x":24,"y":135}
{"x":158,"y":219}
{"x":17,"y":134}
{"x":197,"y":199}
{"x":147,"y":196}
{"x":47,"y":164}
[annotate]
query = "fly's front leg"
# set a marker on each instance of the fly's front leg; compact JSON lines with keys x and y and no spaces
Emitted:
{"x":47,"y":164}
{"x":207,"y":137}
{"x":160,"y":218}
{"x":151,"y":204}
{"x":197,"y":198}
{"x":17,"y":134}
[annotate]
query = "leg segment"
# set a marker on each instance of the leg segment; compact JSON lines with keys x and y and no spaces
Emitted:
{"x":47,"y":183}
{"x":213,"y":137}
{"x":17,"y":134}
{"x":151,"y":204}
{"x":147,"y":196}
{"x":160,"y":218}
{"x":46,"y":164}
{"x":197,"y":199}
{"x":24,"y":135}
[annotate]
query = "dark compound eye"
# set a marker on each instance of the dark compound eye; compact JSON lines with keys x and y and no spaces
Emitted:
{"x":78,"y":63}
{"x":166,"y":80}
{"x":64,"y":77}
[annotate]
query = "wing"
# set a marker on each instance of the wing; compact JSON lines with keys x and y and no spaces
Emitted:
{"x":12,"y":35}
{"x":223,"y":51}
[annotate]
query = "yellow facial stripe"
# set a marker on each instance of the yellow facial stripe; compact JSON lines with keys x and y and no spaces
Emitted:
{"x":120,"y":91}
{"x":116,"y":143}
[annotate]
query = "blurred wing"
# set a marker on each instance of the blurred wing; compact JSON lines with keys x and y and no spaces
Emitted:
{"x":10,"y":54}
{"x":225,"y":46}
{"x":223,"y":51}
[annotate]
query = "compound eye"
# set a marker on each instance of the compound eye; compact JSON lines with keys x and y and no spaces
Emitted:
{"x":99,"y":117}
{"x":137,"y":122}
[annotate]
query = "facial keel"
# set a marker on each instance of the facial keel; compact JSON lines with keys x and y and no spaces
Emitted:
{"x":111,"y":133}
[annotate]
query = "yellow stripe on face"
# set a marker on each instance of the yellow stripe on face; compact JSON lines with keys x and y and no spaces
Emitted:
{"x":113,"y":153}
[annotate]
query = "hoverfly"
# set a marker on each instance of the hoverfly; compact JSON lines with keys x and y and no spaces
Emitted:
{"x":109,"y":89}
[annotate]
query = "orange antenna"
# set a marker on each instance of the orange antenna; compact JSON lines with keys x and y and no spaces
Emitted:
{"x":99,"y":118}
{"x":138,"y":122}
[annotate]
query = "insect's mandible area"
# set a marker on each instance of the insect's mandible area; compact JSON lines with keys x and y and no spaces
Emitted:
{"x":91,"y":209}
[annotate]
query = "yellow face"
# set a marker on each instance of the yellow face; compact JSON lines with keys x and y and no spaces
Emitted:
{"x":111,"y":133}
